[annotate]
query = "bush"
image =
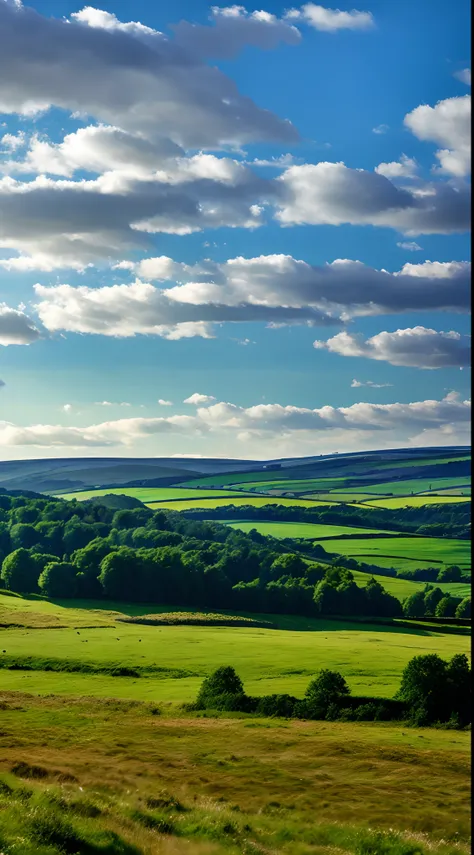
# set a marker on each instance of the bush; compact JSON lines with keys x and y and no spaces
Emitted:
{"x":223,"y":690}
{"x":282,"y":706}
{"x":464,"y":609}
{"x":325,"y":691}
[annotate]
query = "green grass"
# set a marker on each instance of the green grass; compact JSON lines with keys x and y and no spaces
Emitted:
{"x":240,"y":501}
{"x":415,"y":501}
{"x":176,"y":658}
{"x":147,"y":494}
{"x":435,"y":550}
{"x":295,"y":529}
{"x":414,"y":485}
{"x":403,"y":588}
{"x":112,"y":778}
{"x":429,"y":461}
{"x":296,"y":485}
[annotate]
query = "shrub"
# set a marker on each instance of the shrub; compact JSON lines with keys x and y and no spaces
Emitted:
{"x":223,"y":690}
{"x":464,"y":608}
{"x":329,"y":688}
{"x":282,"y":706}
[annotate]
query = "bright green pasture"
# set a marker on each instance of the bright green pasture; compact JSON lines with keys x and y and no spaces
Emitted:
{"x":296,"y":485}
{"x":438,"y":551}
{"x":415,"y":501}
{"x":340,"y":496}
{"x":430,"y":461}
{"x":414,"y":485}
{"x":403,"y":588}
{"x":294,"y":529}
{"x":147,"y":494}
{"x":255,"y":501}
{"x":370,"y":657}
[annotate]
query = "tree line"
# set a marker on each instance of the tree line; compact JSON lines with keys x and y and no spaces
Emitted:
{"x":432,"y":691}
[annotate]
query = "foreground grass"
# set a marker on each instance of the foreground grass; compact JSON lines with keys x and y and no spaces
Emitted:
{"x":119,"y":778}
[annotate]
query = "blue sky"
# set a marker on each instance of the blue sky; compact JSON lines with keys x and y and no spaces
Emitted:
{"x":384,"y":91}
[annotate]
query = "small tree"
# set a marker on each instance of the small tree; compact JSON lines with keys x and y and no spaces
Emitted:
{"x":464,"y":608}
{"x":58,"y":579}
{"x":446,"y":607}
{"x":453,"y":573}
{"x":424,"y":688}
{"x":432,"y":596}
{"x":223,"y":689}
{"x":327,"y":689}
{"x":20,"y":572}
{"x":414,"y":605}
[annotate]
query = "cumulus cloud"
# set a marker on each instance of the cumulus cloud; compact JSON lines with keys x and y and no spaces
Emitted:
{"x":124,"y":74}
{"x":196,"y":398}
{"x":333,"y":194}
{"x":331,"y":20}
{"x":11,"y":142}
{"x":164,"y":403}
{"x":448,"y":124}
{"x":263,"y":421}
{"x":340,"y":287}
{"x":410,"y":245}
{"x":357,"y":384}
{"x":406,"y":167}
{"x":464,"y":75}
{"x":16,"y":327}
{"x":232,"y":29}
{"x":417,"y":347}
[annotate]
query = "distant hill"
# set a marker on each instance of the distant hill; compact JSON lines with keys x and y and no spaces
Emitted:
{"x":81,"y":473}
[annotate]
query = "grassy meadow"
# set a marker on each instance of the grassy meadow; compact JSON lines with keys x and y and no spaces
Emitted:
{"x":239,"y":502}
{"x":437,"y":550}
{"x":414,"y":501}
{"x":118,"y":778}
{"x":173,"y":660}
{"x":312,"y":531}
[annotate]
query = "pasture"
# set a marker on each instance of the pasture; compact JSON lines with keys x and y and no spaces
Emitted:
{"x":312,"y":531}
{"x":414,"y":501}
{"x":237,"y":501}
{"x":435,"y":550}
{"x":414,"y":485}
{"x":147,"y":494}
{"x":176,"y":658}
{"x":403,"y":588}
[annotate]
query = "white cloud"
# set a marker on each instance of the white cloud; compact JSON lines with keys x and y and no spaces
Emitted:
{"x":333,"y":194}
{"x":357,"y":384}
{"x":417,"y":347}
{"x":164,"y":403}
{"x":406,"y":167}
{"x":124,"y":74}
{"x":332,"y":20}
{"x":290,"y":425}
{"x":112,"y":404}
{"x":410,"y":245}
{"x":342,"y":286}
{"x":448,"y":123}
{"x":16,"y":327}
{"x":380,"y":129}
{"x":196,"y":398}
{"x":67,"y":408}
{"x":464,"y":75}
{"x":11,"y":142}
{"x":234,"y":28}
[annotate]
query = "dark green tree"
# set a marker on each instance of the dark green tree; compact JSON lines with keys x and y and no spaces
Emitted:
{"x":24,"y":536}
{"x":20,"y":572}
{"x":446,"y":607}
{"x":464,"y":608}
{"x":432,"y":596}
{"x":58,"y":579}
{"x":414,"y":605}
{"x":327,"y":689}
{"x":424,"y":688}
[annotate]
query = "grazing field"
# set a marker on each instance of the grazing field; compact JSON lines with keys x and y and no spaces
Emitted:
{"x":296,"y":485}
{"x":172,"y":660}
{"x":403,"y":588}
{"x":116,"y":778}
{"x":415,"y":485}
{"x":312,"y":531}
{"x":435,"y":550}
{"x":415,"y":501}
{"x":147,"y":494}
{"x":238,"y":501}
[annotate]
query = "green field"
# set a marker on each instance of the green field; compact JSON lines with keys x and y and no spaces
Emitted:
{"x":147,"y":494}
{"x":436,"y":550}
{"x":403,"y":588}
{"x":414,"y":485}
{"x":305,"y":530}
{"x":371,"y":657}
{"x":415,"y":501}
{"x":255,"y":501}
{"x":297,"y":485}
